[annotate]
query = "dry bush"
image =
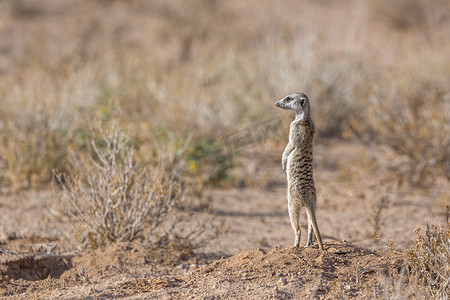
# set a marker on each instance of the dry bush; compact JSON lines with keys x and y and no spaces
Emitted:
{"x":112,"y":198}
{"x":411,"y":118}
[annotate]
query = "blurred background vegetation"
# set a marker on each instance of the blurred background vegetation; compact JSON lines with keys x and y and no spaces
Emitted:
{"x":186,"y":74}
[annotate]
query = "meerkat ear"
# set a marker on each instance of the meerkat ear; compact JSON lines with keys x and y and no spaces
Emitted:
{"x":302,"y":102}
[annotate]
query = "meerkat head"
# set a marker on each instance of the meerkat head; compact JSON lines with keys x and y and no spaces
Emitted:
{"x":298,"y":102}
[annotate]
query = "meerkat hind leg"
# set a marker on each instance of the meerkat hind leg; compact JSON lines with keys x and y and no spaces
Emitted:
{"x":295,"y":222}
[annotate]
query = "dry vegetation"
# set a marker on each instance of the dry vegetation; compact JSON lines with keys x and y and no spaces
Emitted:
{"x":424,"y":273}
{"x":112,"y":199}
{"x":427,"y":261}
{"x":181,"y":79}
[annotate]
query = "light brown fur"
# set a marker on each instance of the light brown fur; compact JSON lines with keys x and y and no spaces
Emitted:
{"x":297,"y":162}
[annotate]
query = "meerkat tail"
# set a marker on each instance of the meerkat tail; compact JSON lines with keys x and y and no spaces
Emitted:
{"x":312,"y":217}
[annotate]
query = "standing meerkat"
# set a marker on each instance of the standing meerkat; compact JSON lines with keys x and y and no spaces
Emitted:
{"x":297,"y":163}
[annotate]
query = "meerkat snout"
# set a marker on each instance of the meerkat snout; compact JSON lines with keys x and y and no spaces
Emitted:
{"x":280,"y":103}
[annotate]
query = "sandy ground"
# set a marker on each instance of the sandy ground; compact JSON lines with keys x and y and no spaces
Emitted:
{"x":252,"y":257}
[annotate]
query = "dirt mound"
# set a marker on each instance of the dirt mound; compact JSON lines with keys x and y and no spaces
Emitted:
{"x":133,"y":270}
{"x":302,"y":261}
{"x":342,"y":269}
{"x":313,"y":270}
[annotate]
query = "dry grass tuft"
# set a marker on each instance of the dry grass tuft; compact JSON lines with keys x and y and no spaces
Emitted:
{"x":425,"y":271}
{"x":429,"y":260}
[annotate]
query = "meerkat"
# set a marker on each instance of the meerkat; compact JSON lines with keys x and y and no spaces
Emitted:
{"x":297,"y":164}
